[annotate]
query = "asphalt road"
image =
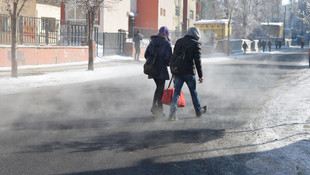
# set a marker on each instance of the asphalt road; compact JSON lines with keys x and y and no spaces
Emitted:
{"x":105,"y":127}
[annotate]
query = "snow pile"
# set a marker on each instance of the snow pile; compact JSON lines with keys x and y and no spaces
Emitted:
{"x":22,"y":83}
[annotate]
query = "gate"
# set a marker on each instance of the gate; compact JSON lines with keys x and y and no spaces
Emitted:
{"x":110,"y":43}
{"x":74,"y":34}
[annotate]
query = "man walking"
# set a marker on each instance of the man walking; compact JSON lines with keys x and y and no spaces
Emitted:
{"x":264,"y":45}
{"x":269,"y":45}
{"x":137,"y":40}
{"x":191,"y":61}
{"x":244,"y":46}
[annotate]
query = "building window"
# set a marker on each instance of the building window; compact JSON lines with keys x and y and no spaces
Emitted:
{"x":162,"y":12}
{"x":177,"y":11}
{"x":78,"y":14}
{"x":5,"y":23}
{"x":191,"y":14}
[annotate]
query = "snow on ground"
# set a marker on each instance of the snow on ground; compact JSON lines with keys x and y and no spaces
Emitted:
{"x":22,"y":83}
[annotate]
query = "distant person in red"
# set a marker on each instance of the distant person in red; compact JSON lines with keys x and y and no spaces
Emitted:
{"x":302,"y":43}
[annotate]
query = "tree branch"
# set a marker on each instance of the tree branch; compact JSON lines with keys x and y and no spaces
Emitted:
{"x":8,"y":7}
{"x":21,"y":7}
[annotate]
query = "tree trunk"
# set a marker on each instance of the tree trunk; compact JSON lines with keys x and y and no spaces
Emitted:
{"x":228,"y":43}
{"x":14,"y":72}
{"x":91,"y":16}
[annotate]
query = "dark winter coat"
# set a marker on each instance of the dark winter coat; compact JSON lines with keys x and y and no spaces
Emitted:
{"x":244,"y":46}
{"x":163,"y":55}
{"x":192,"y":55}
{"x":137,"y":39}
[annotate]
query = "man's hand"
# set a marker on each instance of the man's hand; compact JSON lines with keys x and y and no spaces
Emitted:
{"x":200,"y":80}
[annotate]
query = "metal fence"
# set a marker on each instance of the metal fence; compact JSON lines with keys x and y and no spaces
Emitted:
{"x":49,"y":31}
{"x":110,"y":43}
{"x":43,"y":31}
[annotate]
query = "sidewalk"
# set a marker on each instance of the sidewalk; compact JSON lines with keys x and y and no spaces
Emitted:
{"x":104,"y":68}
{"x":116,"y":60}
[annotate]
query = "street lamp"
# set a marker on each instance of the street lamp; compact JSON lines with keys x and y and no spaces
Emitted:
{"x":132,"y":22}
{"x":308,"y":36}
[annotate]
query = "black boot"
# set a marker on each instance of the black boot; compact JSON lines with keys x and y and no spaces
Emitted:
{"x":202,"y":111}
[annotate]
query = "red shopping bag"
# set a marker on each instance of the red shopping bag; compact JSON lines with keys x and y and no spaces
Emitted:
{"x":168,"y":94}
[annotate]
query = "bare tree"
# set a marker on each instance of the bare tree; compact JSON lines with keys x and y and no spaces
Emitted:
{"x":229,"y":7}
{"x":14,"y":8}
{"x":91,"y":8}
{"x":305,"y":16}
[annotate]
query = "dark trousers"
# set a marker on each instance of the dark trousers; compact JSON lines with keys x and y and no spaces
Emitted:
{"x":160,"y":87}
{"x":137,"y":54}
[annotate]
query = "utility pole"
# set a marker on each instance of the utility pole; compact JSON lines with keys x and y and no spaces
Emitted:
{"x":284,"y":24}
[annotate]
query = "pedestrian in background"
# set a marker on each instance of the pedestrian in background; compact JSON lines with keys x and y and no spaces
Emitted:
{"x":302,"y":43}
{"x":160,"y":43}
{"x":137,"y":40}
{"x":269,"y":45}
{"x":191,"y":62}
{"x":244,"y":46}
{"x":259,"y":44}
{"x":276,"y":43}
{"x":264,"y":45}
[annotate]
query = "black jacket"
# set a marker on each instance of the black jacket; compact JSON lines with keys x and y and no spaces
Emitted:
{"x":192,"y":55}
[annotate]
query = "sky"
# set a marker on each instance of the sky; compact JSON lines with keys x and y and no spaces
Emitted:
{"x":284,"y":2}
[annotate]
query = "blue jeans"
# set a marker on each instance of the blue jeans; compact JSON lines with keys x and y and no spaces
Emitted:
{"x":190,"y":80}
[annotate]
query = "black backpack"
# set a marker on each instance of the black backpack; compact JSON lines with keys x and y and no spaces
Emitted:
{"x":177,"y":61}
{"x":150,"y":67}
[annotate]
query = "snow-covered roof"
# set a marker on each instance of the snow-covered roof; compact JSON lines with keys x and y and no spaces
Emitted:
{"x":218,"y":21}
{"x":272,"y":23}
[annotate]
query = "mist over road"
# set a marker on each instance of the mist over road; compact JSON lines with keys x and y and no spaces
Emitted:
{"x":106,"y":127}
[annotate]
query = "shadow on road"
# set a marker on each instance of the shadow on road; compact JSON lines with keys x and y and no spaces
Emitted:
{"x":130,"y":141}
{"x":267,"y":162}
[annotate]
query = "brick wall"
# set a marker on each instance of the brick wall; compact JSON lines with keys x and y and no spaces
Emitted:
{"x":38,"y":55}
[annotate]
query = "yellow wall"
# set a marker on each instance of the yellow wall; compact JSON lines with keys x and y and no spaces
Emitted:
{"x":221,"y":29}
{"x":274,"y":29}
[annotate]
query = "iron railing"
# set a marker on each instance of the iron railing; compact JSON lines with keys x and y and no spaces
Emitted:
{"x":43,"y":31}
{"x":110,"y":43}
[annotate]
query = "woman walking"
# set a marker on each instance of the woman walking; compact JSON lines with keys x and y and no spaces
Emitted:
{"x":160,"y":44}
